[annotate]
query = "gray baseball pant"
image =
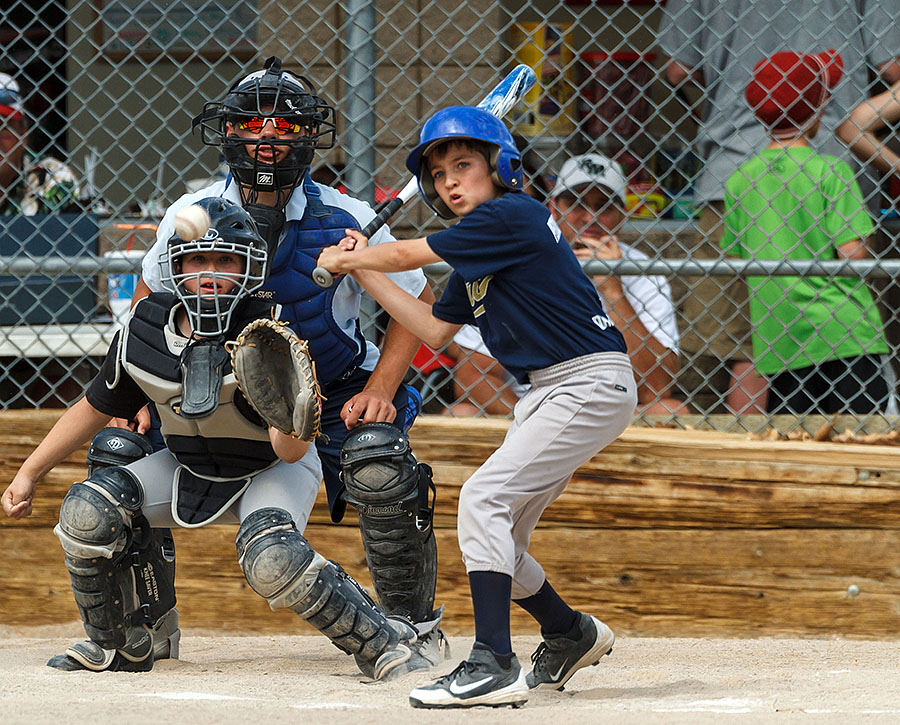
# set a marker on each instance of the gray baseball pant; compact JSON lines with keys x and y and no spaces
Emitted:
{"x":573,"y":410}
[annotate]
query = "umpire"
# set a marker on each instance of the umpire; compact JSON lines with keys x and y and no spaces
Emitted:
{"x":268,"y":128}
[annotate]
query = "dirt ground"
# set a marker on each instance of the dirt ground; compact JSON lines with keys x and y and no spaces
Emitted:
{"x":236,"y":679}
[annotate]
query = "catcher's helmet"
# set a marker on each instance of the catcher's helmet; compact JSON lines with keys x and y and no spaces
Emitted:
{"x":232,"y":230}
{"x":268,"y":93}
{"x":466,"y":122}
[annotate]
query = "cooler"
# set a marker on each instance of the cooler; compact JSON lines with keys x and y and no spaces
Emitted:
{"x":37,"y":299}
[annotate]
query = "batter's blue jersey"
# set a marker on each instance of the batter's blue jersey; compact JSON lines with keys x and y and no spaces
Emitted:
{"x":516,"y":277}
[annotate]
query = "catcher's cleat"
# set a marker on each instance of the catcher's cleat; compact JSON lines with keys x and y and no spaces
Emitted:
{"x":558,"y":658}
{"x":166,"y":636}
{"x":479,"y":680}
{"x":135,"y":656}
{"x":431,"y":647}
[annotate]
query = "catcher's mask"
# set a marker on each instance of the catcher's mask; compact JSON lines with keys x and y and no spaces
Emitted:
{"x":216,"y":293}
{"x":290,"y":103}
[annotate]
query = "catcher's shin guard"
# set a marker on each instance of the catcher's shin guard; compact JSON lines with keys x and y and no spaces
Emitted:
{"x":116,"y":447}
{"x":390,"y":492}
{"x":281,"y":566}
{"x":121,"y":578}
{"x":119,"y":447}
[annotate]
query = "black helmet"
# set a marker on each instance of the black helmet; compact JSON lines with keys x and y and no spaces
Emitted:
{"x":231,"y":230}
{"x":271,"y":92}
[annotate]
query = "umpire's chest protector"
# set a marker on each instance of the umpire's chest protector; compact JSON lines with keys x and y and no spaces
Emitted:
{"x":306,"y":306}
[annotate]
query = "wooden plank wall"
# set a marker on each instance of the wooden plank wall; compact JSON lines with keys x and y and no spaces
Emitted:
{"x":666,"y":533}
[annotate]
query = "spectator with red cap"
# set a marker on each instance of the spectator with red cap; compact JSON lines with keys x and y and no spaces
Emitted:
{"x":29,"y":184}
{"x":712,"y":46}
{"x":819,"y":340}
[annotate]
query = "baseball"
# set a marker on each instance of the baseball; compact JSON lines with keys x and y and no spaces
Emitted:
{"x":191,"y":223}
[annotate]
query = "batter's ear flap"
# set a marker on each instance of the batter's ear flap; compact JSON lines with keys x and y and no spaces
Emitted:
{"x":430,"y":195}
{"x":506,"y":169}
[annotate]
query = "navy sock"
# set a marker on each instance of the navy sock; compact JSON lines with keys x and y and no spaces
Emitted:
{"x":552,"y":613}
{"x":490,"y":603}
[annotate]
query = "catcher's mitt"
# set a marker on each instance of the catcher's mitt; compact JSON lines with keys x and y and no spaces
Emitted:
{"x":278,"y":377}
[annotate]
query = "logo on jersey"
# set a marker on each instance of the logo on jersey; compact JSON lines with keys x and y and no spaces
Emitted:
{"x":554,"y":228}
{"x":476,"y":291}
{"x":602,"y":321}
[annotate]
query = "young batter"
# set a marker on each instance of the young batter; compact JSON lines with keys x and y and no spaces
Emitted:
{"x":519,"y":281}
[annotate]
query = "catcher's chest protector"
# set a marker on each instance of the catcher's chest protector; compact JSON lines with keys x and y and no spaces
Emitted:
{"x":307,"y":306}
{"x":205,"y":445}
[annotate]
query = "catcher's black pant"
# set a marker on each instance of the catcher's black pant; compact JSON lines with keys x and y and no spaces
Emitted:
{"x":407,"y":401}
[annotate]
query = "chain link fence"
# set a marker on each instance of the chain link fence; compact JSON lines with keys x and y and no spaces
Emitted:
{"x":797,"y":319}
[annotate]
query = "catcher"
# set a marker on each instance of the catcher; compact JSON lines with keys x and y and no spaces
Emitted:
{"x":223,"y":463}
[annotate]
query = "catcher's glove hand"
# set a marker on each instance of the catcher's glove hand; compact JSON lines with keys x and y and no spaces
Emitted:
{"x":278,"y":377}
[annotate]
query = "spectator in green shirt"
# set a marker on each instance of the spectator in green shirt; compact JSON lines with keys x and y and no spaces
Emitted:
{"x":819,"y":340}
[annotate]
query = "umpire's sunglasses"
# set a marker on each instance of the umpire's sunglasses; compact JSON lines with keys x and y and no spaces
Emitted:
{"x":255,"y":124}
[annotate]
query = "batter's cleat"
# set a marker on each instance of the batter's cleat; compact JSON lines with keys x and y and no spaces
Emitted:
{"x":558,"y":658}
{"x":135,"y":656}
{"x":479,"y":680}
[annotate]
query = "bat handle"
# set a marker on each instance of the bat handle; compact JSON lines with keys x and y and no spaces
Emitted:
{"x":322,"y":277}
{"x":381,"y":218}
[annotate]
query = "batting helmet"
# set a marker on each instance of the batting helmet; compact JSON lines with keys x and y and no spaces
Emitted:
{"x":233,"y":231}
{"x":268,"y":93}
{"x":466,"y":123}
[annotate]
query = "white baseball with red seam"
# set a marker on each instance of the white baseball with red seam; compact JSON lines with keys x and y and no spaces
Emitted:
{"x":192,"y":223}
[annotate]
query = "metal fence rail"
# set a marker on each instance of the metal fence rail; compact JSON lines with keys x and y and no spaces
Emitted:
{"x":108,"y":89}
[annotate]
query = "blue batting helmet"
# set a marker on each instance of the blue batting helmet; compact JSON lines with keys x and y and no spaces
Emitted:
{"x":466,"y":122}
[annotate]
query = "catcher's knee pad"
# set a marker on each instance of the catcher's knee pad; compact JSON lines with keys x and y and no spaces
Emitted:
{"x":390,"y":492}
{"x":281,"y":566}
{"x":276,"y":559}
{"x":96,"y":514}
{"x":116,"y":447}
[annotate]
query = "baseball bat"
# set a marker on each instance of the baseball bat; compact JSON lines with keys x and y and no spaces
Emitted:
{"x":498,"y":102}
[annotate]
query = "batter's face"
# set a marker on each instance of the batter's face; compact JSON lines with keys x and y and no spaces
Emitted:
{"x":591,"y":212}
{"x":218,"y":265}
{"x":462,"y":178}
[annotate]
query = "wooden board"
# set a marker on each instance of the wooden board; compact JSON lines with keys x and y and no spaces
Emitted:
{"x":649,"y":583}
{"x":667,"y":532}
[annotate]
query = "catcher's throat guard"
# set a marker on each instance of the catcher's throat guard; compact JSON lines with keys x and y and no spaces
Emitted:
{"x":202,"y":364}
{"x":390,"y":491}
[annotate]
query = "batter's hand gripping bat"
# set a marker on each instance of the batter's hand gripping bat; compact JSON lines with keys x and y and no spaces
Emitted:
{"x":506,"y":94}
